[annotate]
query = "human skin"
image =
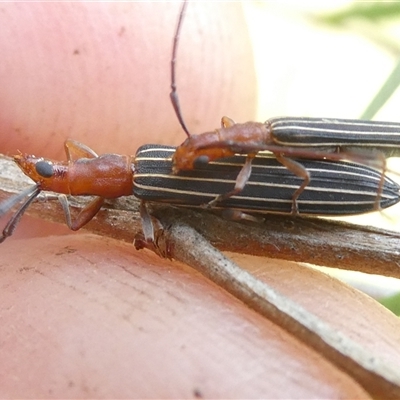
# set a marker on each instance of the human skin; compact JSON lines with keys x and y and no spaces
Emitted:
{"x":85,"y":316}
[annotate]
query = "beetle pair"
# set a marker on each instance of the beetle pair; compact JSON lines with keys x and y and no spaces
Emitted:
{"x":332,"y":188}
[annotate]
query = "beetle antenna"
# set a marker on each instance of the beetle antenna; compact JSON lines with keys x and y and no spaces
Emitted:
{"x":174,"y":94}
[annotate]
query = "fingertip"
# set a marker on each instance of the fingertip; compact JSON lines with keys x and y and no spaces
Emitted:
{"x":103,"y":76}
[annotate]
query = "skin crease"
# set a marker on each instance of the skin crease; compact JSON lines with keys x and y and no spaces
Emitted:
{"x":85,"y":316}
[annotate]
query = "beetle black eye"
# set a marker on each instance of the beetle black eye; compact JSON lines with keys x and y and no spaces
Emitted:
{"x":44,"y":169}
{"x":201,"y":161}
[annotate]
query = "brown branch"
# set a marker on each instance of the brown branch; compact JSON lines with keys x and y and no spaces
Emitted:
{"x":374,"y":374}
{"x":312,"y":240}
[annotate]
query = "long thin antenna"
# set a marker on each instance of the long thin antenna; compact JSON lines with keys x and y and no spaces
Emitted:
{"x":9,"y":203}
{"x":174,"y":94}
{"x":32,"y":192}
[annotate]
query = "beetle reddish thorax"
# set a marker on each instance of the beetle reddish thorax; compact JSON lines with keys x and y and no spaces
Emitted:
{"x":224,"y":142}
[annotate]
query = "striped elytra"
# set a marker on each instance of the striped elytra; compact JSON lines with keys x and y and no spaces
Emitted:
{"x":336,"y":133}
{"x":336,"y":188}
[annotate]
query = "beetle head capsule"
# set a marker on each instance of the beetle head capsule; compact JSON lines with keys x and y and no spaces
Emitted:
{"x":46,"y":173}
{"x":199,"y":149}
